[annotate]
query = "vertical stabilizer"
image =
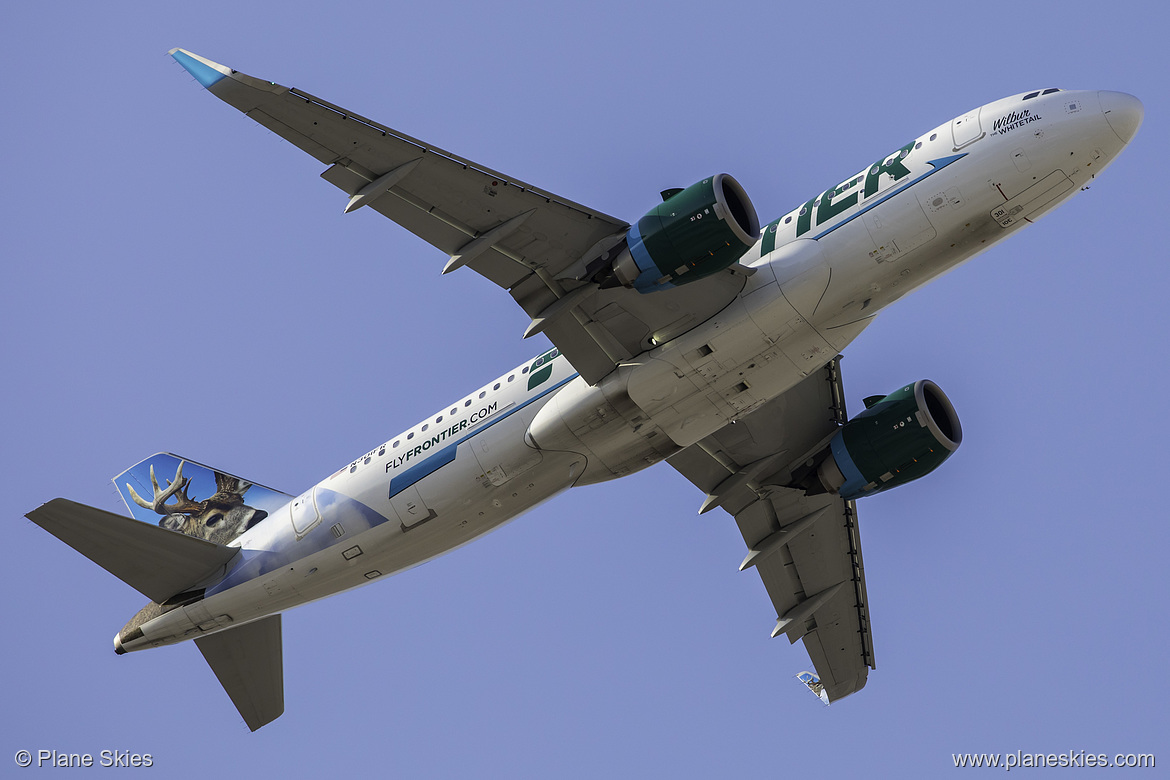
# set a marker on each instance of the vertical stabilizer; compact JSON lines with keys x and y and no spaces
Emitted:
{"x":196,"y":500}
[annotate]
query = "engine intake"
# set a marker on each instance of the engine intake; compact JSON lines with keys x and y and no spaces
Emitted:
{"x":693,"y":233}
{"x":897,"y":439}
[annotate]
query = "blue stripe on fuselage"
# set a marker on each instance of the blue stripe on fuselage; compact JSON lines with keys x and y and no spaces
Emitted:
{"x":938,"y":164}
{"x":440,"y":458}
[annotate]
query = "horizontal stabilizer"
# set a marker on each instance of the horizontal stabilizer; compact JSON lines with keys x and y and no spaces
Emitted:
{"x":154,"y":561}
{"x":249,"y":664}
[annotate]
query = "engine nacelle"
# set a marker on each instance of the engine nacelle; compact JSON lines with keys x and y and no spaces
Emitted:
{"x":897,"y":439}
{"x":693,"y":233}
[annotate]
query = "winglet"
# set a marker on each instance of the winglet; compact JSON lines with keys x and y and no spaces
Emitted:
{"x":814,"y":684}
{"x":204,"y":70}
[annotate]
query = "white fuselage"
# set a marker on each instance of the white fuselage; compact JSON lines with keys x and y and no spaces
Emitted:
{"x":822,"y":272}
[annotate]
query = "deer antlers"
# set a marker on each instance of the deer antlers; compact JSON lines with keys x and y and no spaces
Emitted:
{"x":178,"y":487}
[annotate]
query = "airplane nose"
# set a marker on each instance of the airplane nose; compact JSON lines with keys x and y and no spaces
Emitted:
{"x":1123,"y":112}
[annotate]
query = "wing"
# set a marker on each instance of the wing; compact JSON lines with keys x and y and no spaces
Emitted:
{"x":806,"y":549}
{"x":530,"y":242}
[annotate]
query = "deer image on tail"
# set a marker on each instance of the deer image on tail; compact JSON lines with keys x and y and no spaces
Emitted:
{"x":219,"y":519}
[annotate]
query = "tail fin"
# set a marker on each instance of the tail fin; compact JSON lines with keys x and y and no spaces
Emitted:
{"x":154,"y":561}
{"x":197,"y":500}
{"x":249,"y":664}
{"x":159,"y":563}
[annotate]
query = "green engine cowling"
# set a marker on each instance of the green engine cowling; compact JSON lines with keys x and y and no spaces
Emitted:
{"x":897,"y":439}
{"x":693,"y":233}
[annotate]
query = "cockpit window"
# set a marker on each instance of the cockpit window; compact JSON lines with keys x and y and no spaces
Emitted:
{"x":1037,"y":93}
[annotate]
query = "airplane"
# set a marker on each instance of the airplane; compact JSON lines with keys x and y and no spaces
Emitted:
{"x":694,"y":335}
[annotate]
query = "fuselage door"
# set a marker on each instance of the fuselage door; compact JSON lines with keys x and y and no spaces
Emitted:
{"x":411,"y":508}
{"x":304,"y":513}
{"x":966,"y":129}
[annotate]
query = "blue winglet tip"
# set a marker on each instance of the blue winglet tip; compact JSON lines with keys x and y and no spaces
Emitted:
{"x":205,"y":71}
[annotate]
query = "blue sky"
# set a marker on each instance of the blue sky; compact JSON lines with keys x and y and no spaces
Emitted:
{"x":178,"y":278}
